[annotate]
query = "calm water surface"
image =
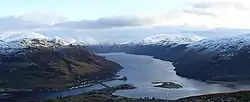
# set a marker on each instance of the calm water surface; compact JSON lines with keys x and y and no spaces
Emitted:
{"x":141,"y":70}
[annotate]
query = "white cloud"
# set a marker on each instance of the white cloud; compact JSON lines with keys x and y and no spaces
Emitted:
{"x":216,"y":13}
{"x":34,"y":20}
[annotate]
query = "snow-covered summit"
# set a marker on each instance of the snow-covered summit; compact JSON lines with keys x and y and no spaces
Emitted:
{"x":167,"y":39}
{"x":221,"y":44}
{"x":12,"y":42}
{"x":59,"y":41}
{"x":15,"y":36}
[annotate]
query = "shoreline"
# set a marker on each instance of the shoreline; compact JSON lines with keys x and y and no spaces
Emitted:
{"x":105,"y":95}
{"x":14,"y":93}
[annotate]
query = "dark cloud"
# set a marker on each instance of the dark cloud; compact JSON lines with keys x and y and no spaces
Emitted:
{"x":205,"y":5}
{"x":199,"y":12}
{"x":202,"y":5}
{"x":11,"y":22}
{"x":112,"y":22}
{"x":17,"y":23}
{"x":201,"y":8}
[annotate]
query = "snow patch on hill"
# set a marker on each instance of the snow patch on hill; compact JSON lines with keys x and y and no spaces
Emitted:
{"x":227,"y":45}
{"x":12,"y":42}
{"x":14,"y":36}
{"x":167,"y":39}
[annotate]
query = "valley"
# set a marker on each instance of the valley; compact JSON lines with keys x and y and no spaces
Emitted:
{"x":54,"y":68}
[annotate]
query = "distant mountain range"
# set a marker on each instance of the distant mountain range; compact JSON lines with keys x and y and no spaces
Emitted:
{"x":166,"y":39}
{"x":220,"y":59}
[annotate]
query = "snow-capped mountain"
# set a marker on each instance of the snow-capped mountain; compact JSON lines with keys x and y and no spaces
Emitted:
{"x":218,"y":59}
{"x":167,"y":39}
{"x":221,"y":44}
{"x":14,"y":36}
{"x":12,"y":42}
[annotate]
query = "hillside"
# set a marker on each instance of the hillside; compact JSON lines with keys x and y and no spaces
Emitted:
{"x":29,"y":63}
{"x":220,"y":59}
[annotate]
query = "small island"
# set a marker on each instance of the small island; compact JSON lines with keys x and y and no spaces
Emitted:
{"x":168,"y":85}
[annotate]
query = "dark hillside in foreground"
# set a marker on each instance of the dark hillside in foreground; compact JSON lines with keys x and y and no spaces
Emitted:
{"x":53,"y":68}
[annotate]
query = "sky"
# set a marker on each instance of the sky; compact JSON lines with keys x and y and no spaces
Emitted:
{"x":123,"y":20}
{"x":96,"y":14}
{"x":87,"y":9}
